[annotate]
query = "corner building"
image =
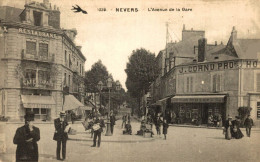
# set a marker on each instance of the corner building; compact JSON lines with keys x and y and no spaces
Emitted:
{"x":39,"y":62}
{"x":211,"y":79}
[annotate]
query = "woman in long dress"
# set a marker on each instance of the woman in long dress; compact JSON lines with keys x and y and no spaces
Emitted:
{"x":228,"y":127}
{"x":236,"y":132}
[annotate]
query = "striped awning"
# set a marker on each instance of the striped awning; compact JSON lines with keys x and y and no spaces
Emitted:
{"x":198,"y":99}
{"x":35,"y":101}
{"x":71,"y":103}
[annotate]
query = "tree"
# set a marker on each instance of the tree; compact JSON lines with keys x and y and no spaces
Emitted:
{"x":141,"y":70}
{"x":98,"y":72}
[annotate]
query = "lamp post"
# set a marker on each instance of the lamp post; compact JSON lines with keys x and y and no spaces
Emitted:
{"x":109,"y":86}
{"x":100,"y":87}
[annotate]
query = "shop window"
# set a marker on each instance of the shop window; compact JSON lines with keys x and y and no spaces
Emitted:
{"x":30,"y":77}
{"x":36,"y":111}
{"x":258,"y":82}
{"x":195,"y":113}
{"x":37,"y":18}
{"x":31,"y":47}
{"x":43,"y":50}
{"x":43,"y":111}
{"x":258,"y":110}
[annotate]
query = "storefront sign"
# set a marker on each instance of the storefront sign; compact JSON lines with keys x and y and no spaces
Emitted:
{"x":30,"y":105}
{"x":209,"y":67}
{"x":37,"y":33}
{"x":197,"y":100}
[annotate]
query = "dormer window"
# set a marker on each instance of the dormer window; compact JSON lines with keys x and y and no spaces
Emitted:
{"x":37,"y":18}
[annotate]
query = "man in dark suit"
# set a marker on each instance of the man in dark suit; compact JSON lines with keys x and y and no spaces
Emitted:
{"x":26,"y":138}
{"x":112,"y":121}
{"x":61,"y":135}
{"x":98,"y":129}
{"x":248,"y":124}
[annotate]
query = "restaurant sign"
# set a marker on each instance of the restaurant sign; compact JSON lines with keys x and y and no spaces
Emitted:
{"x":37,"y":33}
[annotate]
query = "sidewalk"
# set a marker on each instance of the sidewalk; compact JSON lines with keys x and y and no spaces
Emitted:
{"x":118,"y":136}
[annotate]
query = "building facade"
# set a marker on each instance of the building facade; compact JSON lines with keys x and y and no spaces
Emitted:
{"x":39,"y":62}
{"x":211,"y":80}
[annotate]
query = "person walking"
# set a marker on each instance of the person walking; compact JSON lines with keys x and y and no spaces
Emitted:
{"x":112,"y":121}
{"x":61,"y":135}
{"x":165,"y":128}
{"x":228,"y":127}
{"x":123,"y":121}
{"x":158,"y":123}
{"x":248,"y":124}
{"x":98,"y":129}
{"x":26,"y":138}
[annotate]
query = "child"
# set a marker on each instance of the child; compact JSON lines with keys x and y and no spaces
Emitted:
{"x":165,"y":127}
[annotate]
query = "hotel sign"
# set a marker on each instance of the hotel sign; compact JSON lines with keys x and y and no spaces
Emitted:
{"x":37,"y":33}
{"x":197,"y":100}
{"x":209,"y":67}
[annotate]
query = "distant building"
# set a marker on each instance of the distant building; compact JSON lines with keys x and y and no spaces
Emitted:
{"x":39,"y":62}
{"x":210,"y":79}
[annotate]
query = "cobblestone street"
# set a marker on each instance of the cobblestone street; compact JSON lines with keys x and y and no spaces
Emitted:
{"x":182,"y":144}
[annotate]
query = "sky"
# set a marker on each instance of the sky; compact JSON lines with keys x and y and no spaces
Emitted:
{"x":112,"y":36}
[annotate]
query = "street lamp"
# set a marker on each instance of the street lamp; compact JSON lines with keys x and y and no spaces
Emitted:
{"x":109,"y":86}
{"x":100,"y":87}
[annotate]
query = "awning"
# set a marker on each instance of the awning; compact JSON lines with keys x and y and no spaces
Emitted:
{"x":71,"y":103}
{"x":35,"y":101}
{"x":198,"y":99}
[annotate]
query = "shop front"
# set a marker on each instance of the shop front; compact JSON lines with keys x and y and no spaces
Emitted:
{"x":197,"y":109}
{"x":40,"y":105}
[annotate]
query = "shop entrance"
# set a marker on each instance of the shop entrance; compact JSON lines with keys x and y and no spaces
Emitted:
{"x":204,"y":113}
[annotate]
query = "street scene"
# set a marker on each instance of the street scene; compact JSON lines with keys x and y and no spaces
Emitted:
{"x":129,"y":81}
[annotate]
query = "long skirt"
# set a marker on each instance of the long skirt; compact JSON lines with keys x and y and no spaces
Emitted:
{"x":238,"y":134}
{"x":228,"y":134}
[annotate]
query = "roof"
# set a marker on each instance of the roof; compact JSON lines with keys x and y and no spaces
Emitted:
{"x":10,"y":13}
{"x":247,"y":48}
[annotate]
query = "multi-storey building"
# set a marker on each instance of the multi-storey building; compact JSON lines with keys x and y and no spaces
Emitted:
{"x":40,"y":63}
{"x":212,"y":79}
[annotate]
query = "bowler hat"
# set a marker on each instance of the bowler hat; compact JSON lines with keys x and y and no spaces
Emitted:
{"x":29,"y":116}
{"x":62,"y":113}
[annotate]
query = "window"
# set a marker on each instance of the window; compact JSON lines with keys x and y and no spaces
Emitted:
{"x":30,"y":78}
{"x":65,"y":57}
{"x":43,"y":50}
{"x":31,"y":47}
{"x":189,"y":85}
{"x":69,"y":61}
{"x":216,"y":80}
{"x":258,"y":82}
{"x":80,"y":68}
{"x":36,"y":111}
{"x":43,"y":111}
{"x":69,"y":81}
{"x":258,"y":110}
{"x":37,"y":18}
{"x":44,"y":78}
{"x":65,"y":79}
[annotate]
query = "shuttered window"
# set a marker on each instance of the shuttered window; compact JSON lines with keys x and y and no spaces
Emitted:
{"x":258,"y":110}
{"x":258,"y":82}
{"x":216,"y":82}
{"x":43,"y":50}
{"x":31,"y":47}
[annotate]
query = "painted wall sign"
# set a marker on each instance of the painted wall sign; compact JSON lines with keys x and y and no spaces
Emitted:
{"x":209,"y":67}
{"x":37,"y":33}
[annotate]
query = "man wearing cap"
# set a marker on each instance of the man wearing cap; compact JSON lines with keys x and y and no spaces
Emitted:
{"x":248,"y":124}
{"x":61,"y":135}
{"x":26,"y":138}
{"x":98,"y":128}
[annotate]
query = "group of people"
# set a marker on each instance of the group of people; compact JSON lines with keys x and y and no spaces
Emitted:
{"x":232,"y":127}
{"x":215,"y":121}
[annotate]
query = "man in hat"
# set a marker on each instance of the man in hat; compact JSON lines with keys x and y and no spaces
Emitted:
{"x":61,"y":135}
{"x":98,"y":129}
{"x":26,"y":138}
{"x":248,"y":124}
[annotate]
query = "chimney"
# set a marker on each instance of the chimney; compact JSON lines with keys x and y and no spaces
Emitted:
{"x":216,"y":43}
{"x":79,"y":47}
{"x":183,"y":27}
{"x":234,"y":34}
{"x":202,"y":49}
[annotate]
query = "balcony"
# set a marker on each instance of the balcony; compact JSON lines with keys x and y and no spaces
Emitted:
{"x":39,"y":58}
{"x":37,"y":84}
